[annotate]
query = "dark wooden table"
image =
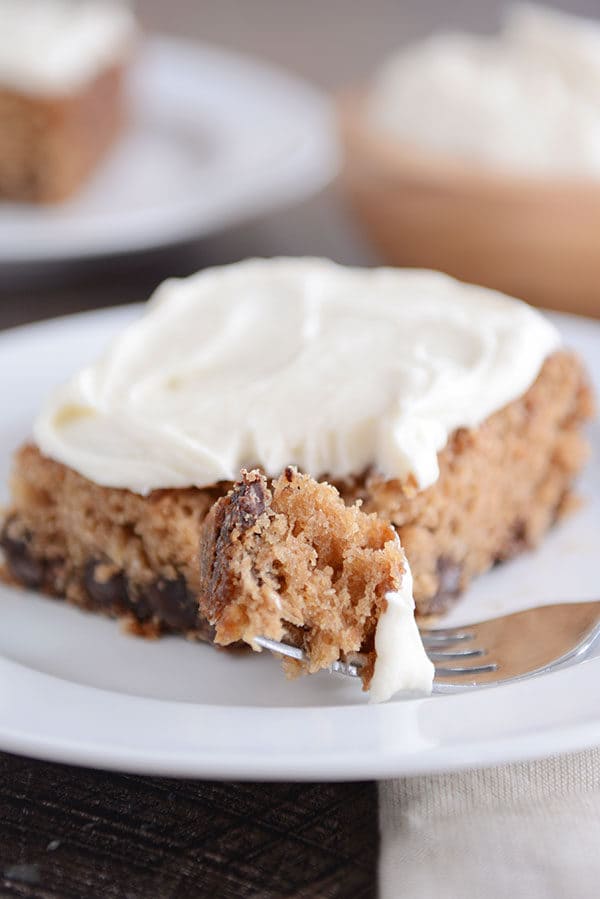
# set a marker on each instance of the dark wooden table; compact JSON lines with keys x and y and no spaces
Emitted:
{"x":73,"y":832}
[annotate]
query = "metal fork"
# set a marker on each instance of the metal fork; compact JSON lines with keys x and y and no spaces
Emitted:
{"x":496,"y":651}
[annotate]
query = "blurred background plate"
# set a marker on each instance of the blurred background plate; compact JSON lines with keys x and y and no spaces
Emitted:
{"x":215,"y":138}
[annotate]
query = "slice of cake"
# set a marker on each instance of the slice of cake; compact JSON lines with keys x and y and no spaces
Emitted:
{"x":62,"y":64}
{"x":451,"y":412}
{"x":295,"y":564}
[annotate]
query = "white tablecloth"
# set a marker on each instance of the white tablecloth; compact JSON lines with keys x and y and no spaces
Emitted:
{"x":522,"y":830}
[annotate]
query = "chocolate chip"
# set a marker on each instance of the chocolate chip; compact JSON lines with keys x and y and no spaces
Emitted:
{"x":109,"y":592}
{"x":139,"y":606}
{"x":516,"y":543}
{"x":169,"y":601}
{"x":449,"y":578}
{"x":172,"y":603}
{"x":24,"y":567}
{"x":247,"y":503}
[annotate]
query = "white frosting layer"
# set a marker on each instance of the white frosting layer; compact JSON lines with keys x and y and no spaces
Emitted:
{"x":401,"y":662}
{"x":52,"y":47}
{"x":294,"y":361}
{"x":526,"y":100}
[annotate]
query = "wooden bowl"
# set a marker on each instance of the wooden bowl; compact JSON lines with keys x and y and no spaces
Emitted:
{"x":534,"y":238}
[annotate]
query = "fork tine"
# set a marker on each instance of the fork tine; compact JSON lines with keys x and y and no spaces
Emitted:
{"x":350,"y":669}
{"x":474,"y":669}
{"x":434,"y":640}
{"x":460,"y":633}
{"x":283,"y":649}
{"x":441,"y":655}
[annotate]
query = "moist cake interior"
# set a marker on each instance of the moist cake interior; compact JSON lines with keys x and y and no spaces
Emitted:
{"x":292,"y":562}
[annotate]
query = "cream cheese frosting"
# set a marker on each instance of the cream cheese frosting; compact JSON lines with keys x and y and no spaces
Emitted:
{"x":526,"y":100}
{"x":50,"y":47}
{"x":401,"y":663}
{"x":271,"y":362}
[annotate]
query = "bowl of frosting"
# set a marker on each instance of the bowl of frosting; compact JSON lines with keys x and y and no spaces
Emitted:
{"x":480,"y":156}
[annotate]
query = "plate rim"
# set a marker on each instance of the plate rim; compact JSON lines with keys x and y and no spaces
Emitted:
{"x":127,"y":755}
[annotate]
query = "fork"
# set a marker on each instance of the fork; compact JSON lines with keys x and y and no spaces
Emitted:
{"x":495,"y":651}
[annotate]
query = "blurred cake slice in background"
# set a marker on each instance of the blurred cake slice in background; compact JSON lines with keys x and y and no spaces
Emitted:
{"x":479,"y":156}
{"x":62,"y":66}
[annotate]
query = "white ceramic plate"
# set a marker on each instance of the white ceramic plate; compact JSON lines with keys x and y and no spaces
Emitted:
{"x":74,"y":688}
{"x":214,"y":138}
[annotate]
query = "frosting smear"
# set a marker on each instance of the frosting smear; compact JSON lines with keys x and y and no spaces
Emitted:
{"x":401,"y":663}
{"x":272,"y":362}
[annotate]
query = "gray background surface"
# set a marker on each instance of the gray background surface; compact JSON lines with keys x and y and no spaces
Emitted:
{"x":333,"y":42}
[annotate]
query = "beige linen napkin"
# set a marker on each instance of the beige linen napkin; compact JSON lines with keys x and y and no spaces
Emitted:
{"x":523,"y":830}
